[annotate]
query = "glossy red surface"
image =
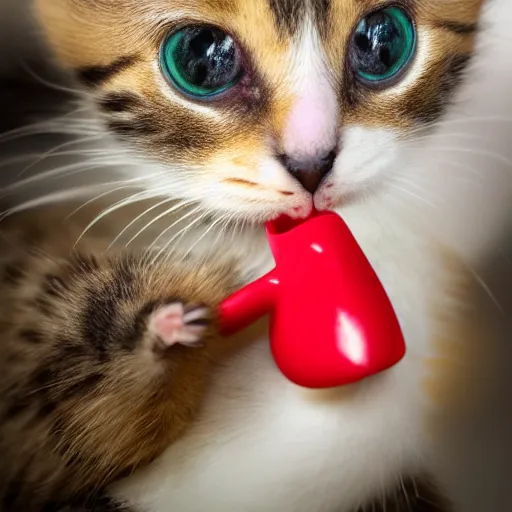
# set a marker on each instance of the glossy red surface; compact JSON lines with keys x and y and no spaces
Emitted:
{"x":331,"y":320}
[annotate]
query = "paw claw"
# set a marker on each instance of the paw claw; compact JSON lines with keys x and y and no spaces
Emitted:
{"x":198,"y":316}
{"x":176,"y":324}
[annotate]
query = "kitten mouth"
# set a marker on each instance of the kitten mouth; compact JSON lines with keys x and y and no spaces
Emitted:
{"x":300,"y":212}
{"x":295,"y":214}
{"x":285,"y":223}
{"x":327,"y":199}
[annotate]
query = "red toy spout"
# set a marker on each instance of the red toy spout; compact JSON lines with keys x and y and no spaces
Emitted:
{"x":332,"y":322}
{"x":249,"y":304}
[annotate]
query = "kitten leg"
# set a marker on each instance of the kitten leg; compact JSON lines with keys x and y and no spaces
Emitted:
{"x":104,"y":364}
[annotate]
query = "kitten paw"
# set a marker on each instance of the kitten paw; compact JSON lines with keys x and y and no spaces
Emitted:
{"x":177,"y":323}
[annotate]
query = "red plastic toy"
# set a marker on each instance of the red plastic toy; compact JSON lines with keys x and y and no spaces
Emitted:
{"x":332,"y":322}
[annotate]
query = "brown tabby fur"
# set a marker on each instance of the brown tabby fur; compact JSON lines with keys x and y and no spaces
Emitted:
{"x":86,"y":396}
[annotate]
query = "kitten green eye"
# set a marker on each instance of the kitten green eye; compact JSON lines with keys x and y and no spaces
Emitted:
{"x":383,"y":45}
{"x":201,"y":61}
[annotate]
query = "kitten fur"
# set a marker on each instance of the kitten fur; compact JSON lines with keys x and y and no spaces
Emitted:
{"x":260,"y":443}
{"x":93,"y":384}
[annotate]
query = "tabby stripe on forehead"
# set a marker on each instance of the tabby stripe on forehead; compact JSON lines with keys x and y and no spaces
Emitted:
{"x":290,"y":14}
{"x":321,"y":9}
{"x":463,"y":29}
{"x":94,"y":76}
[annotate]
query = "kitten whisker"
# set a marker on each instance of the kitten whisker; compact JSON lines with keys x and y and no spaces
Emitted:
{"x":55,"y":86}
{"x":383,"y":489}
{"x":75,"y":152}
{"x":412,"y":194}
{"x":475,"y":119}
{"x":403,"y":179}
{"x":97,"y":198}
{"x":478,"y":152}
{"x":432,"y":136}
{"x":48,"y":129}
{"x":406,"y":494}
{"x":137,"y":218}
{"x":168,"y":228}
{"x":487,"y":289}
{"x":134,"y":198}
{"x":160,"y":216}
{"x":212,"y":226}
{"x":57,"y":148}
{"x":459,"y":121}
{"x":57,"y":197}
{"x":27,"y":128}
{"x":180,"y":234}
{"x":464,"y":177}
{"x":234,"y":221}
{"x":68,"y":170}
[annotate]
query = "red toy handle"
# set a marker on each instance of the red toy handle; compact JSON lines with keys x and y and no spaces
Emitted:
{"x":249,"y":304}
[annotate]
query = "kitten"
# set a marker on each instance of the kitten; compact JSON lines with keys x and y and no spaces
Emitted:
{"x":248,"y":109}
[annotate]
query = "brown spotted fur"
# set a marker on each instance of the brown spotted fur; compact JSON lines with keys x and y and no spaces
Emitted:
{"x":85,"y":397}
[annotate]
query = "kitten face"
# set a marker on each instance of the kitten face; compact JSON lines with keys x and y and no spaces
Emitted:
{"x":260,"y":107}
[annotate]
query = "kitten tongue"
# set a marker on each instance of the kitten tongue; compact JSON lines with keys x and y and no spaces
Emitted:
{"x":332,"y":322}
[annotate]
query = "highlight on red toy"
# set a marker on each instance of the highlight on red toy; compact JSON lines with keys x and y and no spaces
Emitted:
{"x":331,"y":321}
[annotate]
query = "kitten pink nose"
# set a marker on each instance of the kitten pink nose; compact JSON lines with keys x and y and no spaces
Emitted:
{"x":309,"y":171}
